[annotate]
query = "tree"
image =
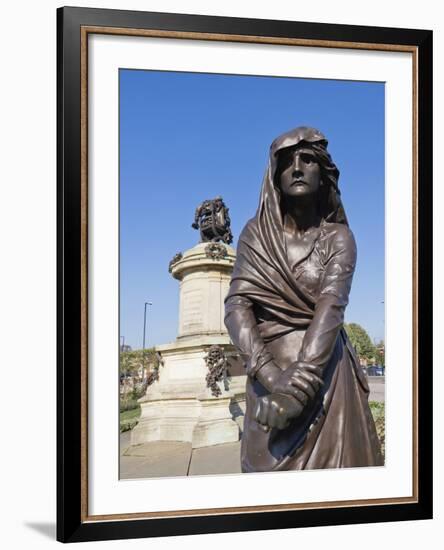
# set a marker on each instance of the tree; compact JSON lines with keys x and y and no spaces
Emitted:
{"x":361,"y":341}
{"x":131,"y":361}
{"x":125,"y":364}
{"x":380,"y":353}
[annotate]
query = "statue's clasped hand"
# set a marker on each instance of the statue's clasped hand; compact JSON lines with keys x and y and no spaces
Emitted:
{"x":300,"y":380}
{"x":291,"y":390}
{"x":277,"y":410}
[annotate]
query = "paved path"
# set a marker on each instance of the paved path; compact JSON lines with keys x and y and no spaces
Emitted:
{"x":176,"y":458}
{"x":377,"y":388}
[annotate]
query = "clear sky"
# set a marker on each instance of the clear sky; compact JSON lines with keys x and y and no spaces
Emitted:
{"x":186,"y":137}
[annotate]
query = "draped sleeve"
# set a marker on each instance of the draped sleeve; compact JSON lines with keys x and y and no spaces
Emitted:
{"x":242,"y":325}
{"x":340,"y":261}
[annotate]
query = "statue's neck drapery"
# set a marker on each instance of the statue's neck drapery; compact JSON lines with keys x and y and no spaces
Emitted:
{"x":262,"y":270}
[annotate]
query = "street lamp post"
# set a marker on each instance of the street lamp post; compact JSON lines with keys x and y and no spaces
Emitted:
{"x":144,"y":332}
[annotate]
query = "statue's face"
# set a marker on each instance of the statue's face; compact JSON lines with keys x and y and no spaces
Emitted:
{"x":300,"y":172}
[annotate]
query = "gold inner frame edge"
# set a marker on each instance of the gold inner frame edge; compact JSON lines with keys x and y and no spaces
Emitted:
{"x":85,"y":32}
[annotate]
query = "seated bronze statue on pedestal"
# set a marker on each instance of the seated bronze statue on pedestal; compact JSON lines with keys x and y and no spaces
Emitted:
{"x":307,"y":395}
{"x":213,"y":221}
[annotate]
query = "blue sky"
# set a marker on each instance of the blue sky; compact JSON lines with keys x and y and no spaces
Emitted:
{"x":186,"y":137}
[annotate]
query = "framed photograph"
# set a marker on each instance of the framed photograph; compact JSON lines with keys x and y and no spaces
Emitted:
{"x":221,"y":181}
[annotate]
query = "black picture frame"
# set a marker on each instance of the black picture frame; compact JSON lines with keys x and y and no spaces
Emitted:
{"x":73,"y":523}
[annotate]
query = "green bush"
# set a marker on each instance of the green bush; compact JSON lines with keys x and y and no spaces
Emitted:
{"x":128,"y":404}
{"x":129,"y":418}
{"x":378,"y":412}
{"x":127,"y":426}
{"x":130,"y":361}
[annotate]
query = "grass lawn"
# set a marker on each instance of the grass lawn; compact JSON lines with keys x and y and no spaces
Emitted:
{"x":128,"y":419}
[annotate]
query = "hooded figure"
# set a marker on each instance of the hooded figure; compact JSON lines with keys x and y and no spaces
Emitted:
{"x":285,"y":312}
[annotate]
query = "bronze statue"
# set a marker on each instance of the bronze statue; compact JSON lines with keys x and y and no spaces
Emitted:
{"x":307,"y":396}
{"x":213,"y":221}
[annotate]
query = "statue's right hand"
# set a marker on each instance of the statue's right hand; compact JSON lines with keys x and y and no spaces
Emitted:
{"x":293,"y":381}
{"x":277,"y":411}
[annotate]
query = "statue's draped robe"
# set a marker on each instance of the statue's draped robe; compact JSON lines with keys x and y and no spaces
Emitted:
{"x":296,"y":312}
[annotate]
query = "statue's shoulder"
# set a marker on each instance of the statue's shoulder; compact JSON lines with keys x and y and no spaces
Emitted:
{"x":250,"y":232}
{"x":337,"y":230}
{"x":338,"y":236}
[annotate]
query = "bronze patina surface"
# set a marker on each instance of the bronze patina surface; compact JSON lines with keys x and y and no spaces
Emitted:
{"x":307,"y":396}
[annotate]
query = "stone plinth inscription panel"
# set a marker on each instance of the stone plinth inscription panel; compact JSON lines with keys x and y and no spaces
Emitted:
{"x":192,"y":309}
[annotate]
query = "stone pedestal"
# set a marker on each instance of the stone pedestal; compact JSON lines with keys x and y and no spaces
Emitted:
{"x":204,"y":273}
{"x":179,"y":406}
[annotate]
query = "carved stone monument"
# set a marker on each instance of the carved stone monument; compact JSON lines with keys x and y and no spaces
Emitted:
{"x":190,"y":401}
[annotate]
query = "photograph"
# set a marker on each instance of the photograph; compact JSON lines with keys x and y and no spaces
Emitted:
{"x":243,"y":209}
{"x":251,"y":274}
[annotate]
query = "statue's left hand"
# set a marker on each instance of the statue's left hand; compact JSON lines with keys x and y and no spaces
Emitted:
{"x":307,"y":378}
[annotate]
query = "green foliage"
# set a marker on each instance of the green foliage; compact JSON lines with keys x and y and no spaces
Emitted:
{"x":361,"y":341}
{"x":128,"y":403}
{"x":378,"y":412}
{"x":380,"y":353}
{"x":129,"y":419}
{"x":130,"y":361}
{"x":125,"y":366}
{"x":377,"y":408}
